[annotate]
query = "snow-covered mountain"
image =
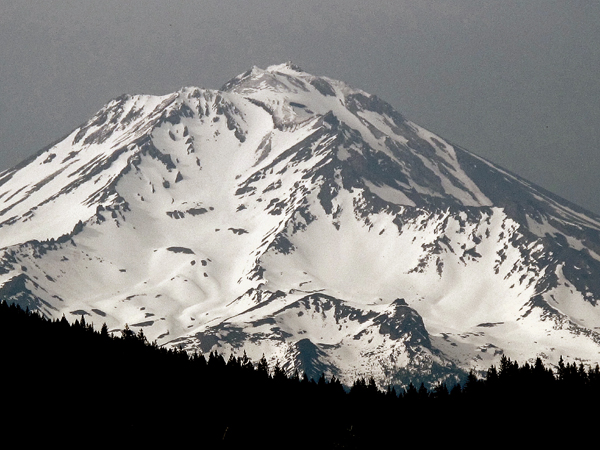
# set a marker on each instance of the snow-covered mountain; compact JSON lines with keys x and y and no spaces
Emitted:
{"x":294,"y":216}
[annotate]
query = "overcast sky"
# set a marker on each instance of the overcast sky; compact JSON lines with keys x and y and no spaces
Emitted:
{"x":517,"y":82}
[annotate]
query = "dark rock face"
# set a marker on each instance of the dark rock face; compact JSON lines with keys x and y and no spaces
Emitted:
{"x":17,"y":290}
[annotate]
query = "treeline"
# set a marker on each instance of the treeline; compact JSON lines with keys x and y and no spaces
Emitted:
{"x":70,"y":380}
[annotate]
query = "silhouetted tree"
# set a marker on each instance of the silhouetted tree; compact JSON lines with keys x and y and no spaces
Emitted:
{"x":263,"y":367}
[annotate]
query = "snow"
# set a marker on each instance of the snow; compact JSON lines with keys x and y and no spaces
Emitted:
{"x":390,"y":194}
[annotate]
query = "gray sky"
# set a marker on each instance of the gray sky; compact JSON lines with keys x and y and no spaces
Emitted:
{"x":517,"y":82}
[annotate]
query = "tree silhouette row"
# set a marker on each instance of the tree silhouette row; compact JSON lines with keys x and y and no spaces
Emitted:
{"x":71,"y":379}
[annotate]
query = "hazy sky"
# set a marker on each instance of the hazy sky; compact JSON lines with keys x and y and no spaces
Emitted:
{"x":517,"y":82}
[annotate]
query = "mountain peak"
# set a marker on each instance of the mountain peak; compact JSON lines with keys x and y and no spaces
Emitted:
{"x":288,"y":66}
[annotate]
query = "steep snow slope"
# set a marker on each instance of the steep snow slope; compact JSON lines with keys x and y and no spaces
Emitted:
{"x":294,"y":216}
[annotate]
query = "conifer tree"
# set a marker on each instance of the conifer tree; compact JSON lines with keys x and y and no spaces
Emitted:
{"x":322,"y":381}
{"x":491,"y":377}
{"x":246,"y":363}
{"x":278,"y":373}
{"x":423,"y":393}
{"x":127,"y":333}
{"x":411,"y":392}
{"x":472,"y":385}
{"x":391,"y":392}
{"x":141,"y":337}
{"x":440,"y":391}
{"x":456,"y":391}
{"x":104,"y":331}
{"x":562,"y":369}
{"x":263,"y":366}
{"x":295,"y":376}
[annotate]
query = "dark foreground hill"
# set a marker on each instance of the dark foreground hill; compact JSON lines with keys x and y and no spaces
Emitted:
{"x":67,"y":382}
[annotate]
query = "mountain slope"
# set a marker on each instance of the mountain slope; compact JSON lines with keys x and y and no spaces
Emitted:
{"x":295,"y":216}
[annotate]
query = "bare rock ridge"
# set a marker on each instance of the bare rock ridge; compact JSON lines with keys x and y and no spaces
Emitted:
{"x":294,"y":216}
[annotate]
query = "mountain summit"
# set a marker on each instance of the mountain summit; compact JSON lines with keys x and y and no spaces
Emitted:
{"x":294,"y":216}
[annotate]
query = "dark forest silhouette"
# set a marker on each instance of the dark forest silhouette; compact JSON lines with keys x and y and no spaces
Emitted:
{"x":68,"y":379}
